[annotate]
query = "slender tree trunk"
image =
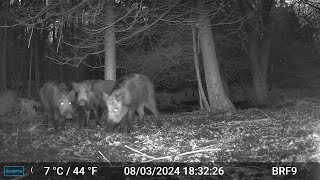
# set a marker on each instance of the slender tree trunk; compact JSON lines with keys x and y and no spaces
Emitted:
{"x":36,"y":63}
{"x":110,"y":45}
{"x":61,"y":74}
{"x":23,"y":63}
{"x":53,"y":70}
{"x":217,"y":97}
{"x":78,"y":73}
{"x":30,"y":71}
{"x":203,"y":102}
{"x":3,"y":59}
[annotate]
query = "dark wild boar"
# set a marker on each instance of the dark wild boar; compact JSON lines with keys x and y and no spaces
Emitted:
{"x":57,"y":101}
{"x":89,"y":96}
{"x":130,"y":95}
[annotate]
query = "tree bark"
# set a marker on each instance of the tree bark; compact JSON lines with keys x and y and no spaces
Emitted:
{"x":218,"y":100}
{"x":110,"y":45}
{"x":3,"y":59}
{"x":36,"y":61}
{"x":259,"y":51}
{"x":23,"y":61}
{"x":258,"y":45}
{"x":11,"y":54}
{"x":203,"y":102}
{"x":30,"y":70}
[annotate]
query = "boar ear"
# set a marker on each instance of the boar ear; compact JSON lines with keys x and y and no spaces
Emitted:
{"x":75,"y":85}
{"x":72,"y":95}
{"x":105,"y":97}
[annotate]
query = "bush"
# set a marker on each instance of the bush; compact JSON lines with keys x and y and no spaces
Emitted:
{"x":8,"y":101}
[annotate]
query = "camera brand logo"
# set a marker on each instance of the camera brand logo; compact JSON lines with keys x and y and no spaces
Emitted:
{"x":13,"y":171}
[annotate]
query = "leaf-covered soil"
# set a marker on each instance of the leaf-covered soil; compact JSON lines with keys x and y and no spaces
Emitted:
{"x":286,"y":133}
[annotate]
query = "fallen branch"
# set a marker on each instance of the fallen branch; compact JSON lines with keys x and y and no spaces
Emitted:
{"x":159,"y":158}
{"x":104,"y":157}
{"x":171,"y":157}
{"x":198,"y":151}
{"x":249,"y":121}
{"x":139,"y":152}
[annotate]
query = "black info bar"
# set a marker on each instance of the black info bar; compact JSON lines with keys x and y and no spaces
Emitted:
{"x":160,"y":170}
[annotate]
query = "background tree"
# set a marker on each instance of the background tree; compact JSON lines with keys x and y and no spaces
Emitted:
{"x":169,"y":59}
{"x":4,"y":5}
{"x":257,"y":43}
{"x":216,"y":96}
{"x":77,"y":40}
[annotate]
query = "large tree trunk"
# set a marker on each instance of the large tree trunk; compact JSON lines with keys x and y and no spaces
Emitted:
{"x":110,"y":45}
{"x":203,"y":102}
{"x":11,"y":54}
{"x":3,"y":59}
{"x":259,"y":51}
{"x":217,"y":97}
{"x":258,"y":28}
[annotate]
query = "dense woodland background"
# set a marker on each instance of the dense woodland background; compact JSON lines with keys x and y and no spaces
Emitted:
{"x":255,"y":46}
{"x":252,"y":67}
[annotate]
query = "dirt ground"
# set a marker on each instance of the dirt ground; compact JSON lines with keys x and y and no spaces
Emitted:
{"x":288,"y":132}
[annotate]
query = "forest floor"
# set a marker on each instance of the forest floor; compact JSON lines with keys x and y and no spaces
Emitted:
{"x":286,"y":132}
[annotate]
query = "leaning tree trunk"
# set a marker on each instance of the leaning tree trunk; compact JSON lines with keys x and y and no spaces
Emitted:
{"x":203,"y":102}
{"x":259,"y":51}
{"x":217,"y":97}
{"x":110,"y":45}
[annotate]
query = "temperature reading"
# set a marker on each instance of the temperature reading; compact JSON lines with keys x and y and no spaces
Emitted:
{"x":58,"y":170}
{"x":47,"y":170}
{"x":93,"y":170}
{"x":71,"y":170}
{"x":76,"y":171}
